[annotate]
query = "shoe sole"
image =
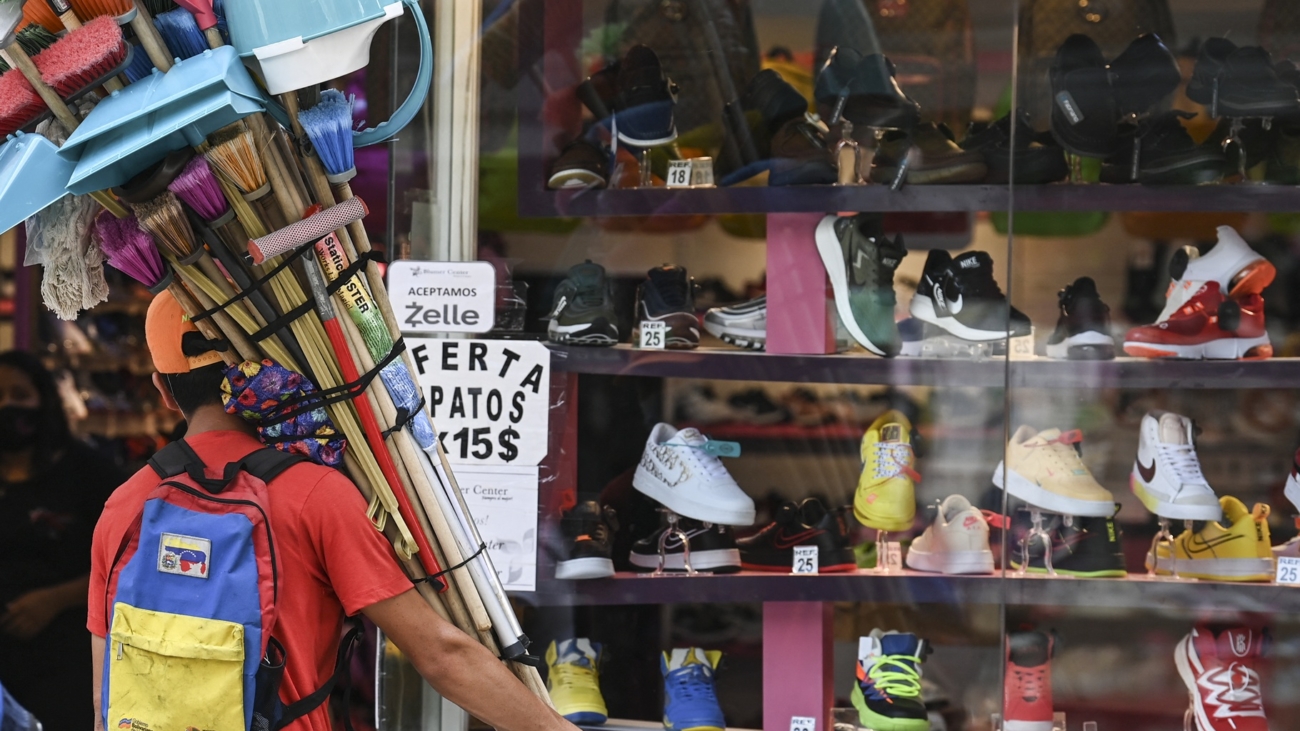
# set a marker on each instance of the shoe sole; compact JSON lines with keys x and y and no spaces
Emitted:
{"x":584,"y":568}
{"x":748,"y":339}
{"x":828,"y":246}
{"x":1197,"y":168}
{"x":1031,"y":492}
{"x":922,"y":308}
{"x":723,"y":558}
{"x":966,"y":172}
{"x":598,"y":333}
{"x":573,"y":179}
{"x":1163,"y":508}
{"x":586,"y":718}
{"x":1089,"y":345}
{"x":1217,"y":569}
{"x":953,"y":562}
{"x":1103,"y":574}
{"x":877,"y":722}
{"x":1252,"y":279}
{"x":1256,"y":348}
{"x":1009,"y":725}
{"x":650,"y":486}
{"x":1182,"y":661}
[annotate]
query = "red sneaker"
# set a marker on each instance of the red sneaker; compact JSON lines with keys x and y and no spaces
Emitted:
{"x":1220,"y":675}
{"x":1027,"y":689}
{"x":1209,"y":325}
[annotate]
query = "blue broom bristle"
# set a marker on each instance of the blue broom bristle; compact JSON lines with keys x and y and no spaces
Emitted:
{"x":181,"y":33}
{"x":329,"y":125}
{"x":140,"y":66}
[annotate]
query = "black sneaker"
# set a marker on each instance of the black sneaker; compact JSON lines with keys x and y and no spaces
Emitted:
{"x":1038,"y":159}
{"x":769,"y":102}
{"x":667,"y":295}
{"x":583,"y":311}
{"x":581,"y":164}
{"x":713,"y":549}
{"x":860,"y":262}
{"x":809,"y":524}
{"x":1088,"y":547}
{"x":643,"y":108}
{"x":1083,"y":330}
{"x":1084,"y":115}
{"x":961,"y":296}
{"x":588,"y":531}
{"x":1143,"y":75}
{"x":1159,"y":151}
{"x":1240,"y":82}
{"x":863,"y":90}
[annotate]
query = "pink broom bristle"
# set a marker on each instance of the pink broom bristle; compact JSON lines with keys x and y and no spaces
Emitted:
{"x":198,"y":187}
{"x":19,"y":104}
{"x":129,"y":249}
{"x":83,"y":56}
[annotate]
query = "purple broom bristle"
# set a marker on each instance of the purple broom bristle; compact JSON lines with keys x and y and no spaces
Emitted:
{"x":329,"y":125}
{"x":198,"y":187}
{"x":129,"y":249}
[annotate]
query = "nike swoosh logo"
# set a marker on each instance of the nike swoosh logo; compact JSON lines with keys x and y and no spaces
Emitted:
{"x":940,"y":304}
{"x":1146,"y":473}
{"x":955,"y":306}
{"x":783,"y":542}
{"x":1197,"y":544}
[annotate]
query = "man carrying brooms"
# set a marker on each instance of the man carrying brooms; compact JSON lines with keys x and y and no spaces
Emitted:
{"x":168,"y":609}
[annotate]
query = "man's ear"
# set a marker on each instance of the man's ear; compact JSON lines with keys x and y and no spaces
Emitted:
{"x":168,"y":400}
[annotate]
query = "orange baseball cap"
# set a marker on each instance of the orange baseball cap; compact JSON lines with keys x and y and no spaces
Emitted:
{"x":168,"y":330}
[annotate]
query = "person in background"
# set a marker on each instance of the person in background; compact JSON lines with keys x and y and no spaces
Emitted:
{"x":14,"y":717}
{"x":52,"y":489}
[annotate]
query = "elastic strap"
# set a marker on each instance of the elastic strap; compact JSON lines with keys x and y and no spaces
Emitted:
{"x":288,"y":260}
{"x":431,"y":578}
{"x":403,"y":418}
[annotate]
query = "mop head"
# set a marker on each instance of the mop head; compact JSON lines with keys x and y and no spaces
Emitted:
{"x":181,"y":33}
{"x":82,"y":57}
{"x":329,"y":125}
{"x":279,"y":402}
{"x":74,"y":266}
{"x":198,"y":187}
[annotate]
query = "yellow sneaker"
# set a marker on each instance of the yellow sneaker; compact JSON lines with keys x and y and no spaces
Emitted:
{"x":886,"y":495}
{"x":1045,"y":470}
{"x":573,"y":680}
{"x":1240,"y":552}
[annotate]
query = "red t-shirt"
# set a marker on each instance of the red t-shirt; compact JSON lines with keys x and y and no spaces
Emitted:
{"x":331,"y":560}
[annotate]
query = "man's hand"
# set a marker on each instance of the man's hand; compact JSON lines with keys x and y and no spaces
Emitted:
{"x":26,"y":616}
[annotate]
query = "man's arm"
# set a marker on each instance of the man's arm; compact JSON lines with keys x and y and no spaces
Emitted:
{"x":461,"y":669}
{"x":97,"y":677}
{"x":29,"y":614}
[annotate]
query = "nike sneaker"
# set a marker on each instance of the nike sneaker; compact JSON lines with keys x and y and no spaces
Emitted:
{"x":583,"y":311}
{"x":646,"y":100}
{"x":1238,"y":269}
{"x":668,"y":296}
{"x":1292,"y":489}
{"x":860,"y":261}
{"x":961,"y":296}
{"x":1210,"y":326}
{"x":743,"y":325}
{"x":1222,"y":678}
{"x":923,"y":340}
{"x":1167,"y":475}
{"x":887,"y":693}
{"x":805,"y":524}
{"x":1084,"y":547}
{"x":588,"y":535}
{"x":573,"y":681}
{"x":886,"y":494}
{"x":1240,"y":551}
{"x":680,"y":470}
{"x":1083,"y":330}
{"x":690,"y":700}
{"x":957,"y":542}
{"x":713,"y":548}
{"x":1027,"y":688}
{"x":1045,"y":470}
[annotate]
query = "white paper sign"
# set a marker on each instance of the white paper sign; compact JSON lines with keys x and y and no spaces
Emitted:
{"x":654,"y":335}
{"x":503,"y":501}
{"x":489,"y":399}
{"x":443,"y":296}
{"x":890,"y":555}
{"x":1288,"y":570}
{"x":803,"y":723}
{"x":805,"y":560}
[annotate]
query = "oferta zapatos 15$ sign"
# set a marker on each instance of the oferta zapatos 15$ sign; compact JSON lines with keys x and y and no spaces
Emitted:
{"x":489,"y":399}
{"x":443,"y":296}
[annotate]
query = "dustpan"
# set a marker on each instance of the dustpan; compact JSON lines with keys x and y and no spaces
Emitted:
{"x":32,"y":177}
{"x":134,"y":128}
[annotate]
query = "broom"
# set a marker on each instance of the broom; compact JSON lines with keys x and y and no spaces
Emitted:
{"x":55,"y":15}
{"x":180,"y":33}
{"x":33,"y":39}
{"x":233,"y":153}
{"x":130,"y":11}
{"x":205,"y":17}
{"x":83,"y":57}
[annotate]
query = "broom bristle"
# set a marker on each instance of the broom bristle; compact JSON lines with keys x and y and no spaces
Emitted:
{"x":235,"y":156}
{"x":19,"y":104}
{"x":158,"y":7}
{"x":198,"y":187}
{"x":329,"y":125}
{"x":32,"y":39}
{"x":129,"y":249}
{"x":140,"y":67}
{"x":83,"y":56}
{"x":87,"y":9}
{"x":165,"y":219}
{"x":181,"y":33}
{"x":41,"y":14}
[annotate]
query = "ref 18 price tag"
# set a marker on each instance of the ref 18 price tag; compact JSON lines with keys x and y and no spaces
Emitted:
{"x":1288,"y":570}
{"x":694,"y":173}
{"x":803,"y":723}
{"x":805,"y":562}
{"x":654,"y":335}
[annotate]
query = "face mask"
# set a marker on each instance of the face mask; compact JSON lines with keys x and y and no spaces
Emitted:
{"x":17,"y":428}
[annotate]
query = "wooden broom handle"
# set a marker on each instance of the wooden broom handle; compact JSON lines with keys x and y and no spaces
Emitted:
{"x":16,"y":57}
{"x":67,"y":16}
{"x":150,"y":39}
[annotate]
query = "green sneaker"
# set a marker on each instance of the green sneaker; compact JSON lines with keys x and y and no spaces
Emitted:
{"x":887,"y":693}
{"x":583,"y":313}
{"x":860,"y":261}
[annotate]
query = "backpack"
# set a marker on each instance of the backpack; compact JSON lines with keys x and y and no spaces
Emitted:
{"x":191,"y":602}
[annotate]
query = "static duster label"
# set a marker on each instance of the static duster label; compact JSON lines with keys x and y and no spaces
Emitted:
{"x":443,"y":297}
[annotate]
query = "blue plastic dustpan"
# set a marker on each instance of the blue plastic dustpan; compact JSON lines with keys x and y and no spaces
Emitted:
{"x":32,"y":177}
{"x":137,"y":126}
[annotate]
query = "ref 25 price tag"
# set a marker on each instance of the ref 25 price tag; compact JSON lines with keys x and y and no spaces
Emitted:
{"x":805,"y":562}
{"x":1288,"y":570}
{"x":654,"y":335}
{"x":803,"y":723}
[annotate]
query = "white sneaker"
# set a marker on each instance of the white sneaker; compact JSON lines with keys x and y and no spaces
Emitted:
{"x":1167,"y":475}
{"x":1045,"y":470}
{"x":956,"y":543}
{"x":1292,"y":489}
{"x":743,"y":325}
{"x":676,"y":471}
{"x":1237,"y":268}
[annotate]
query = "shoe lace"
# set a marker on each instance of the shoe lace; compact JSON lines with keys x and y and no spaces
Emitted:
{"x":1182,"y":459}
{"x":712,"y":466}
{"x":894,"y":459}
{"x":1031,"y":681}
{"x":691,"y":683}
{"x":1060,"y":449}
{"x":572,"y":675}
{"x":892,"y":675}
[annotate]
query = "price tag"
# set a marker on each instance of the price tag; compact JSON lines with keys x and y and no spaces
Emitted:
{"x":679,"y":174}
{"x":654,"y":335}
{"x":803,"y":723}
{"x":1022,"y":348}
{"x":890,"y":555}
{"x":694,"y":173}
{"x":805,"y":562}
{"x":1288,"y":570}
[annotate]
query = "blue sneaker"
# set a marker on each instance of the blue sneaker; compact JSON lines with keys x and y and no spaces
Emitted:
{"x":689,"y":701}
{"x":887,"y":693}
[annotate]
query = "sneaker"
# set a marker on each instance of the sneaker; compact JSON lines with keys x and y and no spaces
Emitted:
{"x":743,"y":325}
{"x":1166,"y":475}
{"x":864,"y":90}
{"x":860,"y":261}
{"x":931,"y":157}
{"x":1166,"y":154}
{"x":573,"y":680}
{"x":961,"y":296}
{"x":801,"y":156}
{"x":581,"y":164}
{"x":957,"y":542}
{"x":1209,"y":326}
{"x":1231,"y":263}
{"x":643,"y":108}
{"x":768,"y":103}
{"x":1087,"y":547}
{"x":679,"y":470}
{"x":886,"y":494}
{"x":583,"y":312}
{"x":699,"y":404}
{"x":713,"y":548}
{"x":1038,"y":160}
{"x":806,"y":524}
{"x":690,"y":701}
{"x":1292,"y":489}
{"x":1083,"y":330}
{"x":1242,"y":551}
{"x":752,"y":406}
{"x":923,"y":340}
{"x":1084,"y":114}
{"x":1045,"y":470}
{"x":588,"y":531}
{"x":1027,"y":689}
{"x":668,"y":296}
{"x":1240,"y":82}
{"x":1222,"y":679}
{"x":1143,"y":75}
{"x":887,"y":693}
